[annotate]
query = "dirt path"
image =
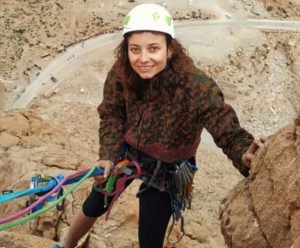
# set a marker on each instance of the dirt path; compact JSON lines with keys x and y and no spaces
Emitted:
{"x":105,"y":44}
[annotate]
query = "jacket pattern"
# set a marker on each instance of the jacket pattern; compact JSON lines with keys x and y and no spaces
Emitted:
{"x":169,"y":129}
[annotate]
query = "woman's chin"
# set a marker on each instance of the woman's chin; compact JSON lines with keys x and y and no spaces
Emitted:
{"x":146,"y":75}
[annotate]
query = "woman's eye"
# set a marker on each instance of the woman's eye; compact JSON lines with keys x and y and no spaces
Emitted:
{"x":153,"y":49}
{"x":134,"y":50}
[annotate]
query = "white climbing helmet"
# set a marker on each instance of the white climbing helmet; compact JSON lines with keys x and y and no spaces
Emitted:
{"x":149,"y":17}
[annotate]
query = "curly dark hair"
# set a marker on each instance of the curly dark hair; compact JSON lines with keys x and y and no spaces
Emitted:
{"x":178,"y":69}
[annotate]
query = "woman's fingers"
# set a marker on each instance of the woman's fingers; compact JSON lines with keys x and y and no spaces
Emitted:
{"x":249,"y":155}
{"x":107,"y":169}
{"x":107,"y":165}
{"x":256,"y":144}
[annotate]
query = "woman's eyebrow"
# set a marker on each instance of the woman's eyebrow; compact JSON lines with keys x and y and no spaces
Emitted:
{"x":154,"y":44}
{"x":150,"y":44}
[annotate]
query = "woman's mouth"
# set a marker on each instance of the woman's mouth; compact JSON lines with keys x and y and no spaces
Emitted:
{"x":145,"y":68}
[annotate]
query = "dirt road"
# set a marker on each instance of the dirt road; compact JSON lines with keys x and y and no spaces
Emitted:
{"x":106,"y":43}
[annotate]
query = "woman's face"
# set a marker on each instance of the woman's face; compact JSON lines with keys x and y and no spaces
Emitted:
{"x":148,"y":53}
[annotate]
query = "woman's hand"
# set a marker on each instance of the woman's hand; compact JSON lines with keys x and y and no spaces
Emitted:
{"x":107,"y":165}
{"x":249,"y":155}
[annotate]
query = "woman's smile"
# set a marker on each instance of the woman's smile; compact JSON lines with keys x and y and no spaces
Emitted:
{"x":148,"y":53}
{"x":145,"y":68}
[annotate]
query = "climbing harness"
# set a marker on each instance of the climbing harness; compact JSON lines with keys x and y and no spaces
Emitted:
{"x":45,"y":189}
{"x":176,"y":179}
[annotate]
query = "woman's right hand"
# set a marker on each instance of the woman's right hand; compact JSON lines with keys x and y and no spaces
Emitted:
{"x":107,"y":165}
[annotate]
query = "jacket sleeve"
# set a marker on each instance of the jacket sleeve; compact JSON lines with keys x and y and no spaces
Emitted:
{"x":112,"y":114}
{"x":222,"y":123}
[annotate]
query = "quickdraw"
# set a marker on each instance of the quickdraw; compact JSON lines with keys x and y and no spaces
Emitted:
{"x":45,"y":189}
{"x":180,"y":187}
{"x":177,"y":181}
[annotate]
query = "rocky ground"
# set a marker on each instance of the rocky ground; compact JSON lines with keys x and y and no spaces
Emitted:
{"x":259,"y":73}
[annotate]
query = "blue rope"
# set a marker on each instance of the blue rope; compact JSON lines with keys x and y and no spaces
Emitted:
{"x":50,"y":184}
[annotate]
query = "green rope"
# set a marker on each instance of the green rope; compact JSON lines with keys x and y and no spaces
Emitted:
{"x":110,"y":185}
{"x":48,"y":207}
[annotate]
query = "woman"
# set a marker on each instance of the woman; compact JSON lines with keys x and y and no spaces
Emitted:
{"x":156,"y":104}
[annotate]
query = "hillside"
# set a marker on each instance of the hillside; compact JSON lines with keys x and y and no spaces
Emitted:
{"x":258,"y":71}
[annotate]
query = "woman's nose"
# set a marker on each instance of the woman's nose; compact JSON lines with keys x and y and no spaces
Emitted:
{"x":144,"y":57}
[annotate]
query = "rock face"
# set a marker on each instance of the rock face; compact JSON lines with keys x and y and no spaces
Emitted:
{"x":264,"y":210}
{"x":17,"y":240}
{"x":30,"y":145}
{"x":261,"y":211}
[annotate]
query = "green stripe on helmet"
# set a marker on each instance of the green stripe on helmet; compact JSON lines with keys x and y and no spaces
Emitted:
{"x":127,"y":19}
{"x":168,"y":20}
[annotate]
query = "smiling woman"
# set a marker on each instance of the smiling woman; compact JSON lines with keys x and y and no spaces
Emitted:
{"x":148,"y":53}
{"x":155,"y":106}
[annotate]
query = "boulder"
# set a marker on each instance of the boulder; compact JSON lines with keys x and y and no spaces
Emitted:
{"x":263,"y":210}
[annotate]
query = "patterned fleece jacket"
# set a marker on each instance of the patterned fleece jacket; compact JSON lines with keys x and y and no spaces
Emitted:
{"x":170,"y":129}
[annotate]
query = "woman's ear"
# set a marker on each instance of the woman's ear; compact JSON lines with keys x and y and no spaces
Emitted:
{"x":170,"y":46}
{"x":170,"y":52}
